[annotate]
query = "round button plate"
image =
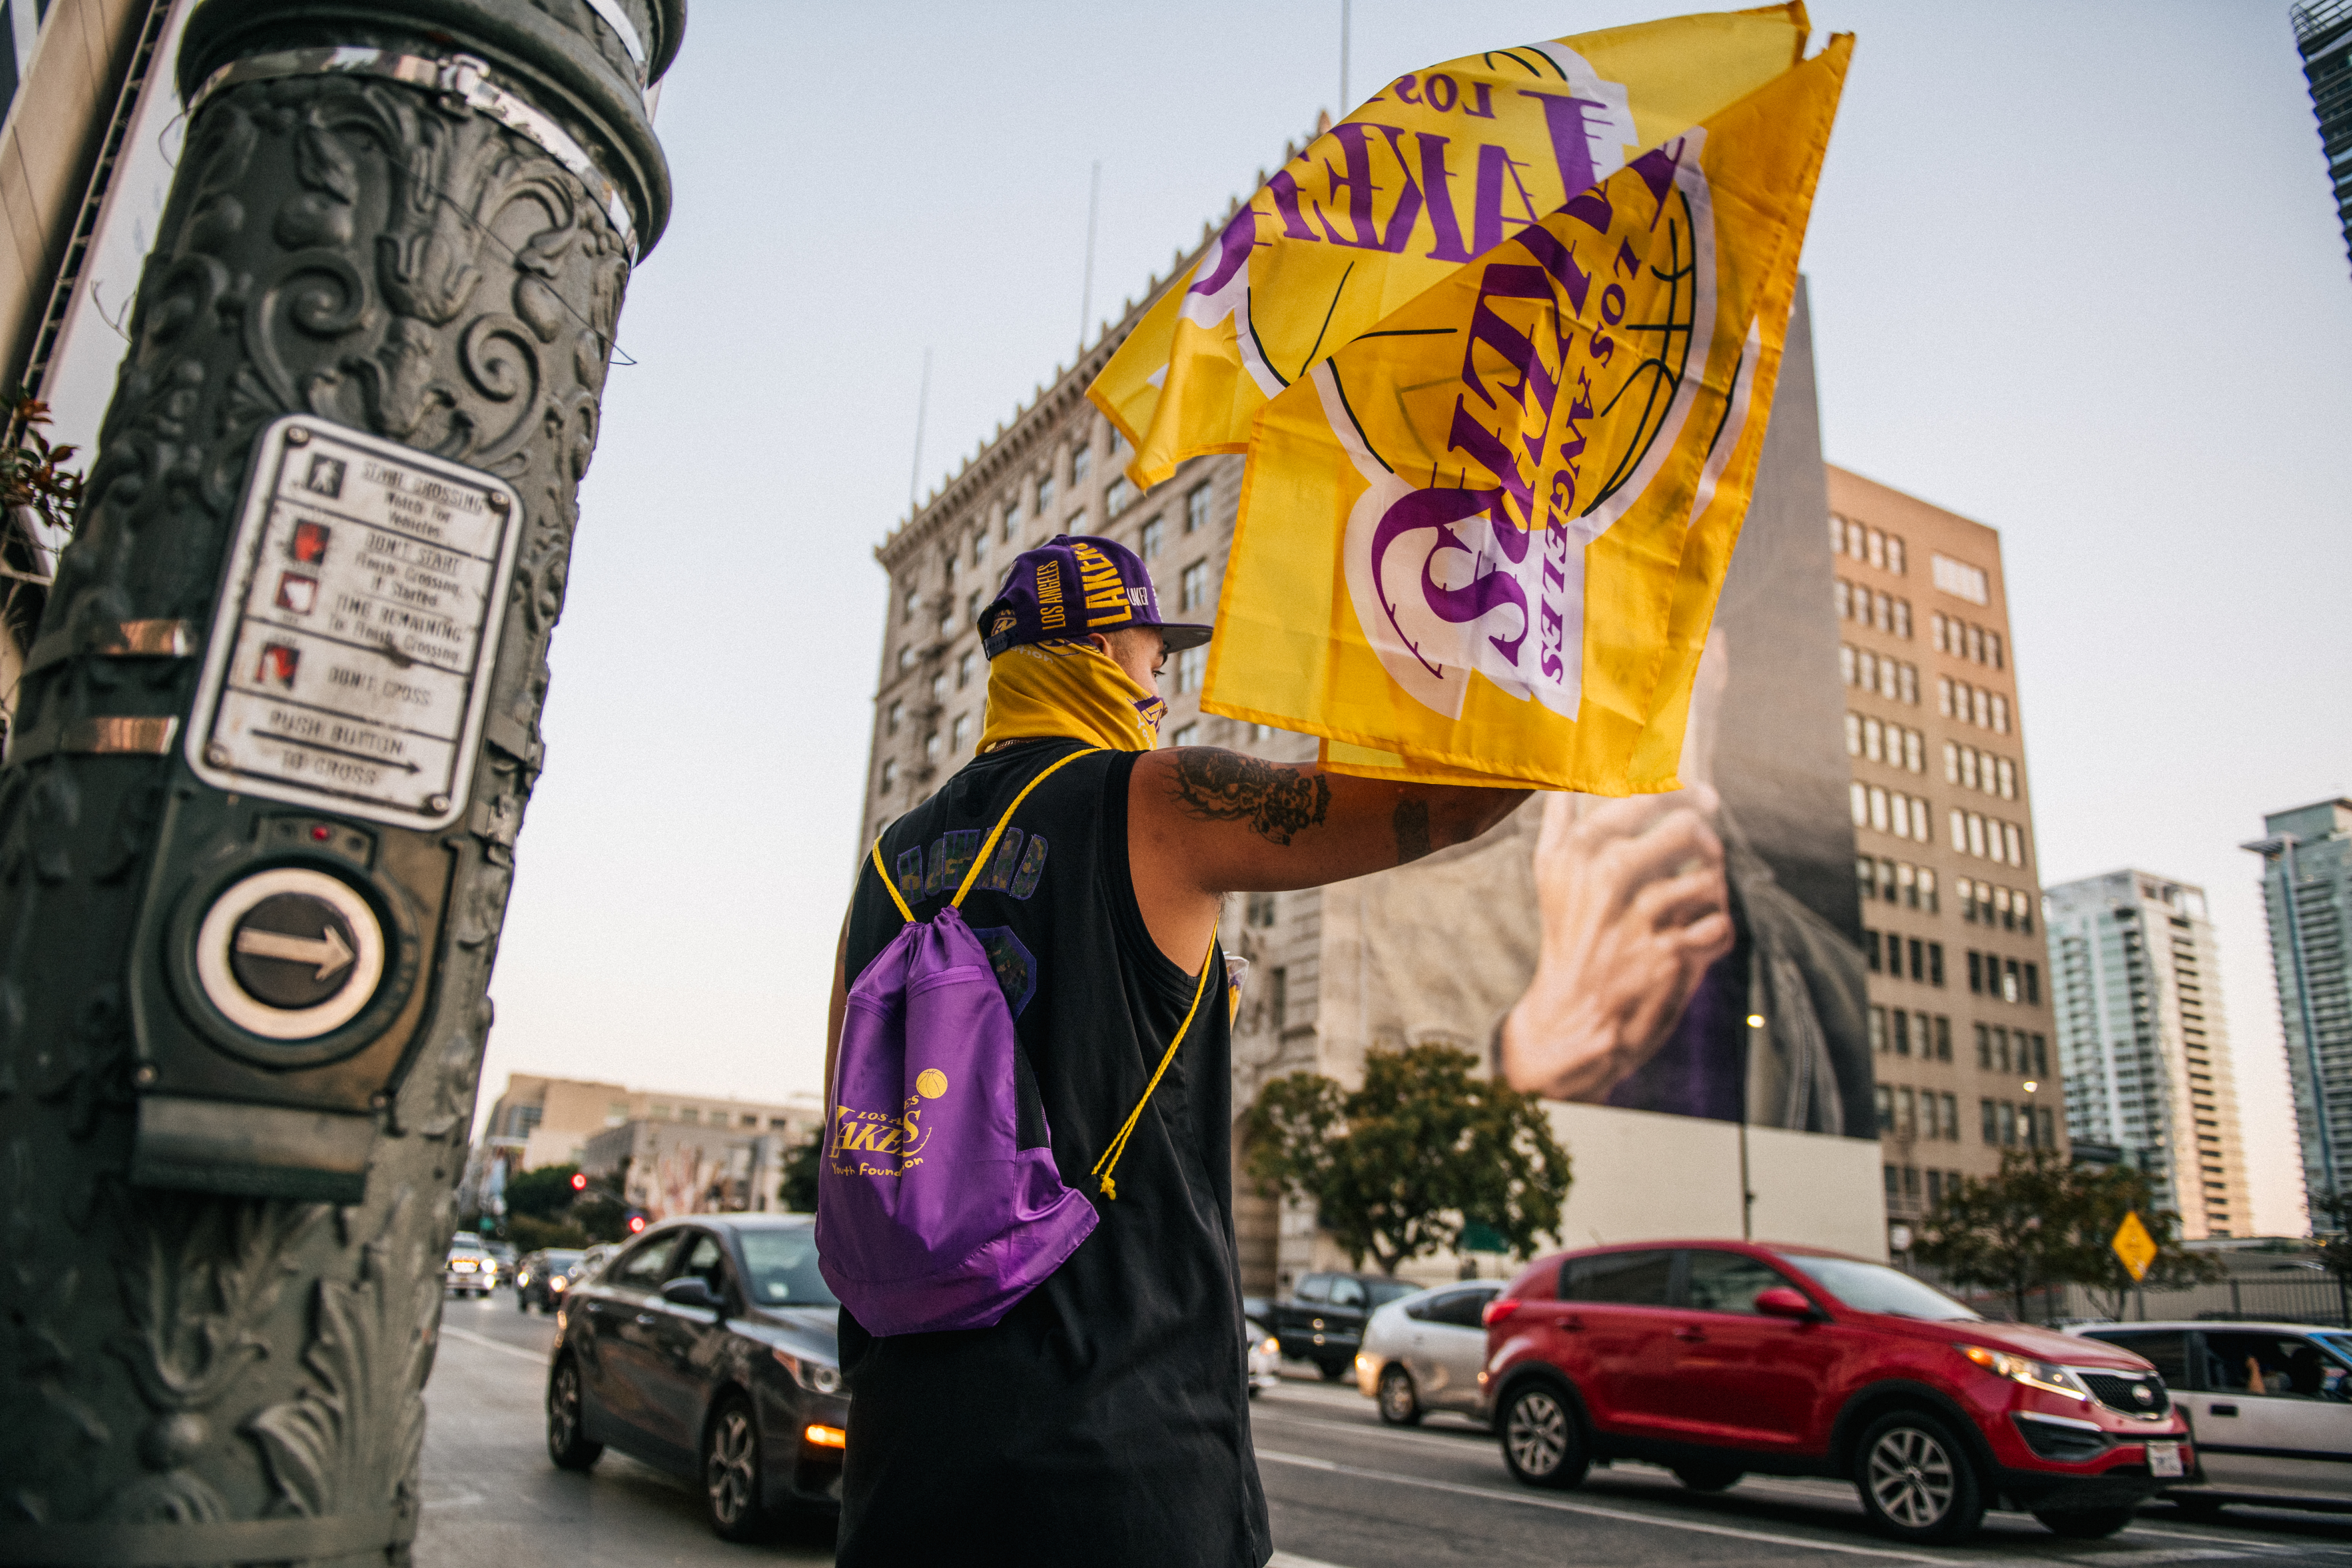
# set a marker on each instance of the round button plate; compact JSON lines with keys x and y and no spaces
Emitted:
{"x":290,"y":953}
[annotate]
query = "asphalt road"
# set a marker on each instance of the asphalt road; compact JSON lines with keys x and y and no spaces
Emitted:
{"x":1345,"y":1492}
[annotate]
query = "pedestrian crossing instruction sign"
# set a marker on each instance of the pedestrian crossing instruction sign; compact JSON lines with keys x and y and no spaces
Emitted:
{"x":2134,"y":1246}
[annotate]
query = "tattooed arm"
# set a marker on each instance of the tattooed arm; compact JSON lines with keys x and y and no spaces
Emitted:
{"x":1202,"y":823}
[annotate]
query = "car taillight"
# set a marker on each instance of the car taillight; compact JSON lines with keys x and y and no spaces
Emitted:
{"x":1500,"y":1308}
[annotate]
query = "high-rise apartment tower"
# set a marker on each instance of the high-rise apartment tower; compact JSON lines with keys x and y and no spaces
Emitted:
{"x":2144,"y":1043}
{"x":1943,"y":822}
{"x":2323,"y":36}
{"x":2308,"y":896}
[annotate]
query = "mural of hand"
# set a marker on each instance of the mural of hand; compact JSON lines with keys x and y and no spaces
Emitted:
{"x":1634,"y":909}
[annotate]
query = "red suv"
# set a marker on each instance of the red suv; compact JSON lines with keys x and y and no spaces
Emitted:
{"x":1716,"y":1357}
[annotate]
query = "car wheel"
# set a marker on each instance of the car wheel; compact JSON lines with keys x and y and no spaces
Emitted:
{"x":1398,"y":1405}
{"x":2087,"y":1523}
{"x":1542,"y":1441}
{"x":567,"y":1443}
{"x":1333,"y":1370}
{"x":1917,"y":1483}
{"x":730,"y":1472}
{"x":1707,"y":1478}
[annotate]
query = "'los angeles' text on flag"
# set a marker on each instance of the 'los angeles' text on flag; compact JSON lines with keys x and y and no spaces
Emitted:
{"x":1437,"y":168}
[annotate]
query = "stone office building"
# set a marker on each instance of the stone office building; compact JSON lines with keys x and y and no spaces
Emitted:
{"x":1961,"y":1012}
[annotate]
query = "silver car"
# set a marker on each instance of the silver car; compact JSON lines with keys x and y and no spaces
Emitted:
{"x":1424,"y":1352}
{"x":2269,"y":1408}
{"x":1263,"y":1358}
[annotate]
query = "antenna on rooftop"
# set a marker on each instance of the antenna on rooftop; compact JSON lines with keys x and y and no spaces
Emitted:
{"x":1343,"y":56}
{"x":1086,"y":291}
{"x":922,"y":401}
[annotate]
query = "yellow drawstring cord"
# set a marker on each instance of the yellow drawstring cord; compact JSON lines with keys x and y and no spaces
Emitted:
{"x":1109,"y":1162}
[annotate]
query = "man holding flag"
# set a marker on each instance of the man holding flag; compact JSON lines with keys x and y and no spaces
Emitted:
{"x":1498,"y":346}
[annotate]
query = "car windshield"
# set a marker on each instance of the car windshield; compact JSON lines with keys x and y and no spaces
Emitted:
{"x":783,"y":1268}
{"x":1875,"y":1287}
{"x":467,"y":1249}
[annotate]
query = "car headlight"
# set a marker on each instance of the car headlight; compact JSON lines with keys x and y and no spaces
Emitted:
{"x":2041,"y":1375}
{"x":556,"y":1282}
{"x":1273,"y":1346}
{"x":815,"y":1376}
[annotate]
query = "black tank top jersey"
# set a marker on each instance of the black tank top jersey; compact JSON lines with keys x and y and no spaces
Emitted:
{"x":1106,"y":1419}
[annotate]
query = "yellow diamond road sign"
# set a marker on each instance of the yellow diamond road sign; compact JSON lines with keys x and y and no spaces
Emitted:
{"x":2134,"y":1246}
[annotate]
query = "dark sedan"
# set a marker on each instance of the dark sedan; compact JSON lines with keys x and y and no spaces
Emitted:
{"x":707,"y":1348}
{"x":541,"y":1278}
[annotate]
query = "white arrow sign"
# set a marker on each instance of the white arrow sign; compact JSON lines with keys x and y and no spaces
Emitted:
{"x":329,"y":953}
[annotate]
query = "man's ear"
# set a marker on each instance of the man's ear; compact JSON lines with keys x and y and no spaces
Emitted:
{"x":1100,"y":643}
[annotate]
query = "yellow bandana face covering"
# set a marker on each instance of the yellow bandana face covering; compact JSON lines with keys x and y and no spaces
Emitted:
{"x":1071,"y":690}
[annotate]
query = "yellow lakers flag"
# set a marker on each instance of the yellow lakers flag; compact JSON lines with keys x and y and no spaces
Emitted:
{"x":1437,"y":168}
{"x":1483,"y":542}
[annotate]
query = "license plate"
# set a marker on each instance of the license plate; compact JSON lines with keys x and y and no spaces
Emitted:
{"x":2164,"y":1460}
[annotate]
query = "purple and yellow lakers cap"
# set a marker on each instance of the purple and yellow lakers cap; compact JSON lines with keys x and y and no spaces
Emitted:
{"x":1073,"y":585}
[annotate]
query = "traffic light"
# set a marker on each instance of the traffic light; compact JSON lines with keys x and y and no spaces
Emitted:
{"x":636,"y":1221}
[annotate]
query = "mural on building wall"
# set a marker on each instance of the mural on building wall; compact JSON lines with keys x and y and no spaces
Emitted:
{"x":1564,"y":942}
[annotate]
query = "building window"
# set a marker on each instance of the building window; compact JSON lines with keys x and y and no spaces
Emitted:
{"x":1887,"y":1123}
{"x":891,"y":719}
{"x":1959,"y":579}
{"x":1190,"y":666}
{"x":914,"y":597}
{"x":1155,"y":534}
{"x":1193,"y":587}
{"x":1944,"y":1048}
{"x":1076,"y":522}
{"x":1011,"y":520}
{"x":939,"y":686}
{"x":1045,"y":494}
{"x":962,"y":733}
{"x":1186,"y":735}
{"x":1936,"y":963}
{"x":932,"y":747}
{"x":889,"y":775}
{"x":1196,"y":508}
{"x":979,"y":544}
{"x":1260,"y":910}
{"x":1277,"y":1006}
{"x":963,"y":670}
{"x":1117,"y":496}
{"x":1082,"y":462}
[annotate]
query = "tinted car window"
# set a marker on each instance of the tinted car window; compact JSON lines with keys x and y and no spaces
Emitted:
{"x":705,"y":1260}
{"x":782,"y":1265}
{"x":645,"y":1267}
{"x":1387,"y":1291}
{"x":2286,"y":1365}
{"x":1625,"y":1278}
{"x":1460,"y":1308}
{"x":1347,"y":1292}
{"x":1875,"y":1287}
{"x":2166,"y":1350}
{"x":1727,"y":1282}
{"x":1315,"y":1288}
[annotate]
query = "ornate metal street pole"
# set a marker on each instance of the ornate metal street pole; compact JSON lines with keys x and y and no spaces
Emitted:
{"x":258,"y":824}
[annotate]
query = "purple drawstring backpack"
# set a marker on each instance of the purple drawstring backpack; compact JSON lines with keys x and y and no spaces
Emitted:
{"x":928,"y":1217}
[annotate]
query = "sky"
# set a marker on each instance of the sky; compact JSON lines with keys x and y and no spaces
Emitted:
{"x":2075,"y":272}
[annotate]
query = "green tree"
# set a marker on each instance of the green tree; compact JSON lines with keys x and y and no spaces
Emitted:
{"x":2043,"y":1221}
{"x":800,"y":1174}
{"x":544,"y":1192}
{"x":1397,"y":1168}
{"x":2002,"y":1233}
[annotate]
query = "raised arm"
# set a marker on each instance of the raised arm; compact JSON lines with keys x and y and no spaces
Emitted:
{"x":1202,"y":823}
